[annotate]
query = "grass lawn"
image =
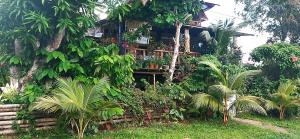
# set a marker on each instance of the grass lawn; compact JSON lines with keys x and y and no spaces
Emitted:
{"x":196,"y":130}
{"x":293,"y":125}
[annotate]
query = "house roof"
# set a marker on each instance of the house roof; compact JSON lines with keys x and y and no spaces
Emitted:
{"x":201,"y":16}
{"x":207,"y":6}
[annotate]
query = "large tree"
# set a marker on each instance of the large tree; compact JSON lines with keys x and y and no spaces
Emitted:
{"x":279,"y":17}
{"x":278,"y":61}
{"x":31,"y":27}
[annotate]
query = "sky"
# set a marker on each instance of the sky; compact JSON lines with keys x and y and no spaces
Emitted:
{"x":227,"y":10}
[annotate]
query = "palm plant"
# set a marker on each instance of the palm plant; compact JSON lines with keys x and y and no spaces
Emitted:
{"x":223,"y":40}
{"x":226,"y":91}
{"x":79,"y":103}
{"x":283,"y":99}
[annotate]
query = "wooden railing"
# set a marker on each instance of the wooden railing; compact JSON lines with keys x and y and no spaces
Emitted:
{"x":143,"y":53}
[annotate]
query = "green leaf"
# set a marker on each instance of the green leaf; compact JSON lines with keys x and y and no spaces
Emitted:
{"x":60,"y":55}
{"x":15,"y":60}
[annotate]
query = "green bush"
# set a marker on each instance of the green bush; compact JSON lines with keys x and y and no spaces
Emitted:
{"x":201,"y":77}
{"x":277,"y":60}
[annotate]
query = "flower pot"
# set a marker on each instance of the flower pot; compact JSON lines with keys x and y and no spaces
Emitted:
{"x":149,"y":115}
{"x":151,"y":66}
{"x":166,"y":67}
{"x":166,"y":110}
{"x":108,"y":126}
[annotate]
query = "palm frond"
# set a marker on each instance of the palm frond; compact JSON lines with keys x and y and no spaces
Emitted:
{"x":206,"y":100}
{"x":219,"y":91}
{"x":70,"y":96}
{"x":48,"y":104}
{"x":250,"y":103}
{"x":240,"y":78}
{"x":270,"y":105}
{"x":69,"y":90}
{"x":294,"y":103}
{"x":94,"y":94}
{"x":216,"y":71}
{"x":287,"y":88}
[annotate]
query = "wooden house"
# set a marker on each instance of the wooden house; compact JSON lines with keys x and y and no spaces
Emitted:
{"x":153,"y":50}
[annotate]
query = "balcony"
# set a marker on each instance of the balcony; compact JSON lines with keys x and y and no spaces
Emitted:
{"x":154,"y":60}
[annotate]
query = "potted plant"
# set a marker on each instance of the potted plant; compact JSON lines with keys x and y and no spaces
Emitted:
{"x":153,"y":63}
{"x":158,"y":62}
{"x":139,"y":64}
{"x":166,"y":62}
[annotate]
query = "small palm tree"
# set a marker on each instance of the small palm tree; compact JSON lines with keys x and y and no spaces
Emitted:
{"x":79,"y":103}
{"x":283,"y":99}
{"x":225,"y":91}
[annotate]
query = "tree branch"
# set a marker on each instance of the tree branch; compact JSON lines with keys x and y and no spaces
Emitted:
{"x":55,"y":43}
{"x":52,"y":46}
{"x":30,"y":73}
{"x":33,"y":68}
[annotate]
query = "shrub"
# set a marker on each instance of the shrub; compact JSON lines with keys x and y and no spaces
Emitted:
{"x":81,"y":104}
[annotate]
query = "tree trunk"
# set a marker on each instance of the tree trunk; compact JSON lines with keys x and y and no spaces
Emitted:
{"x":187,"y":40}
{"x":176,"y":51}
{"x":81,"y":132}
{"x":225,"y":110}
{"x":29,"y":74}
{"x":281,"y":113}
{"x":14,"y":70}
{"x":55,"y":43}
{"x":52,"y":46}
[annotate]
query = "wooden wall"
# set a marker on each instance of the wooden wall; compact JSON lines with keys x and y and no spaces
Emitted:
{"x":8,"y":118}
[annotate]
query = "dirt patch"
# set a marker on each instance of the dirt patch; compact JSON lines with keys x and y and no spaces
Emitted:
{"x":262,"y":125}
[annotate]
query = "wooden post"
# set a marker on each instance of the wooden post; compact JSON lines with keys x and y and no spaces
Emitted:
{"x":154,"y":82}
{"x":187,"y":40}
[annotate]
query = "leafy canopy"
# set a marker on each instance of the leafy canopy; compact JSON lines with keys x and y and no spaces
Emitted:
{"x":36,"y":27}
{"x":277,"y":60}
{"x":279,"y":17}
{"x":159,"y":12}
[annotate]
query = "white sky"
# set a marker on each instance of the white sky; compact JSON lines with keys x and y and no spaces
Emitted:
{"x":227,"y":10}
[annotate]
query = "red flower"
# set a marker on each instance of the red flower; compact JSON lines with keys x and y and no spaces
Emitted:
{"x":294,"y":59}
{"x":125,"y":45}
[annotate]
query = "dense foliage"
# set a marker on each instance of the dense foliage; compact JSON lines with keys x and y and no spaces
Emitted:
{"x":284,"y":99}
{"x":158,"y":12}
{"x":221,"y":42}
{"x":41,"y":41}
{"x":226,"y":94}
{"x":278,"y":61}
{"x":201,"y":77}
{"x":39,"y":27}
